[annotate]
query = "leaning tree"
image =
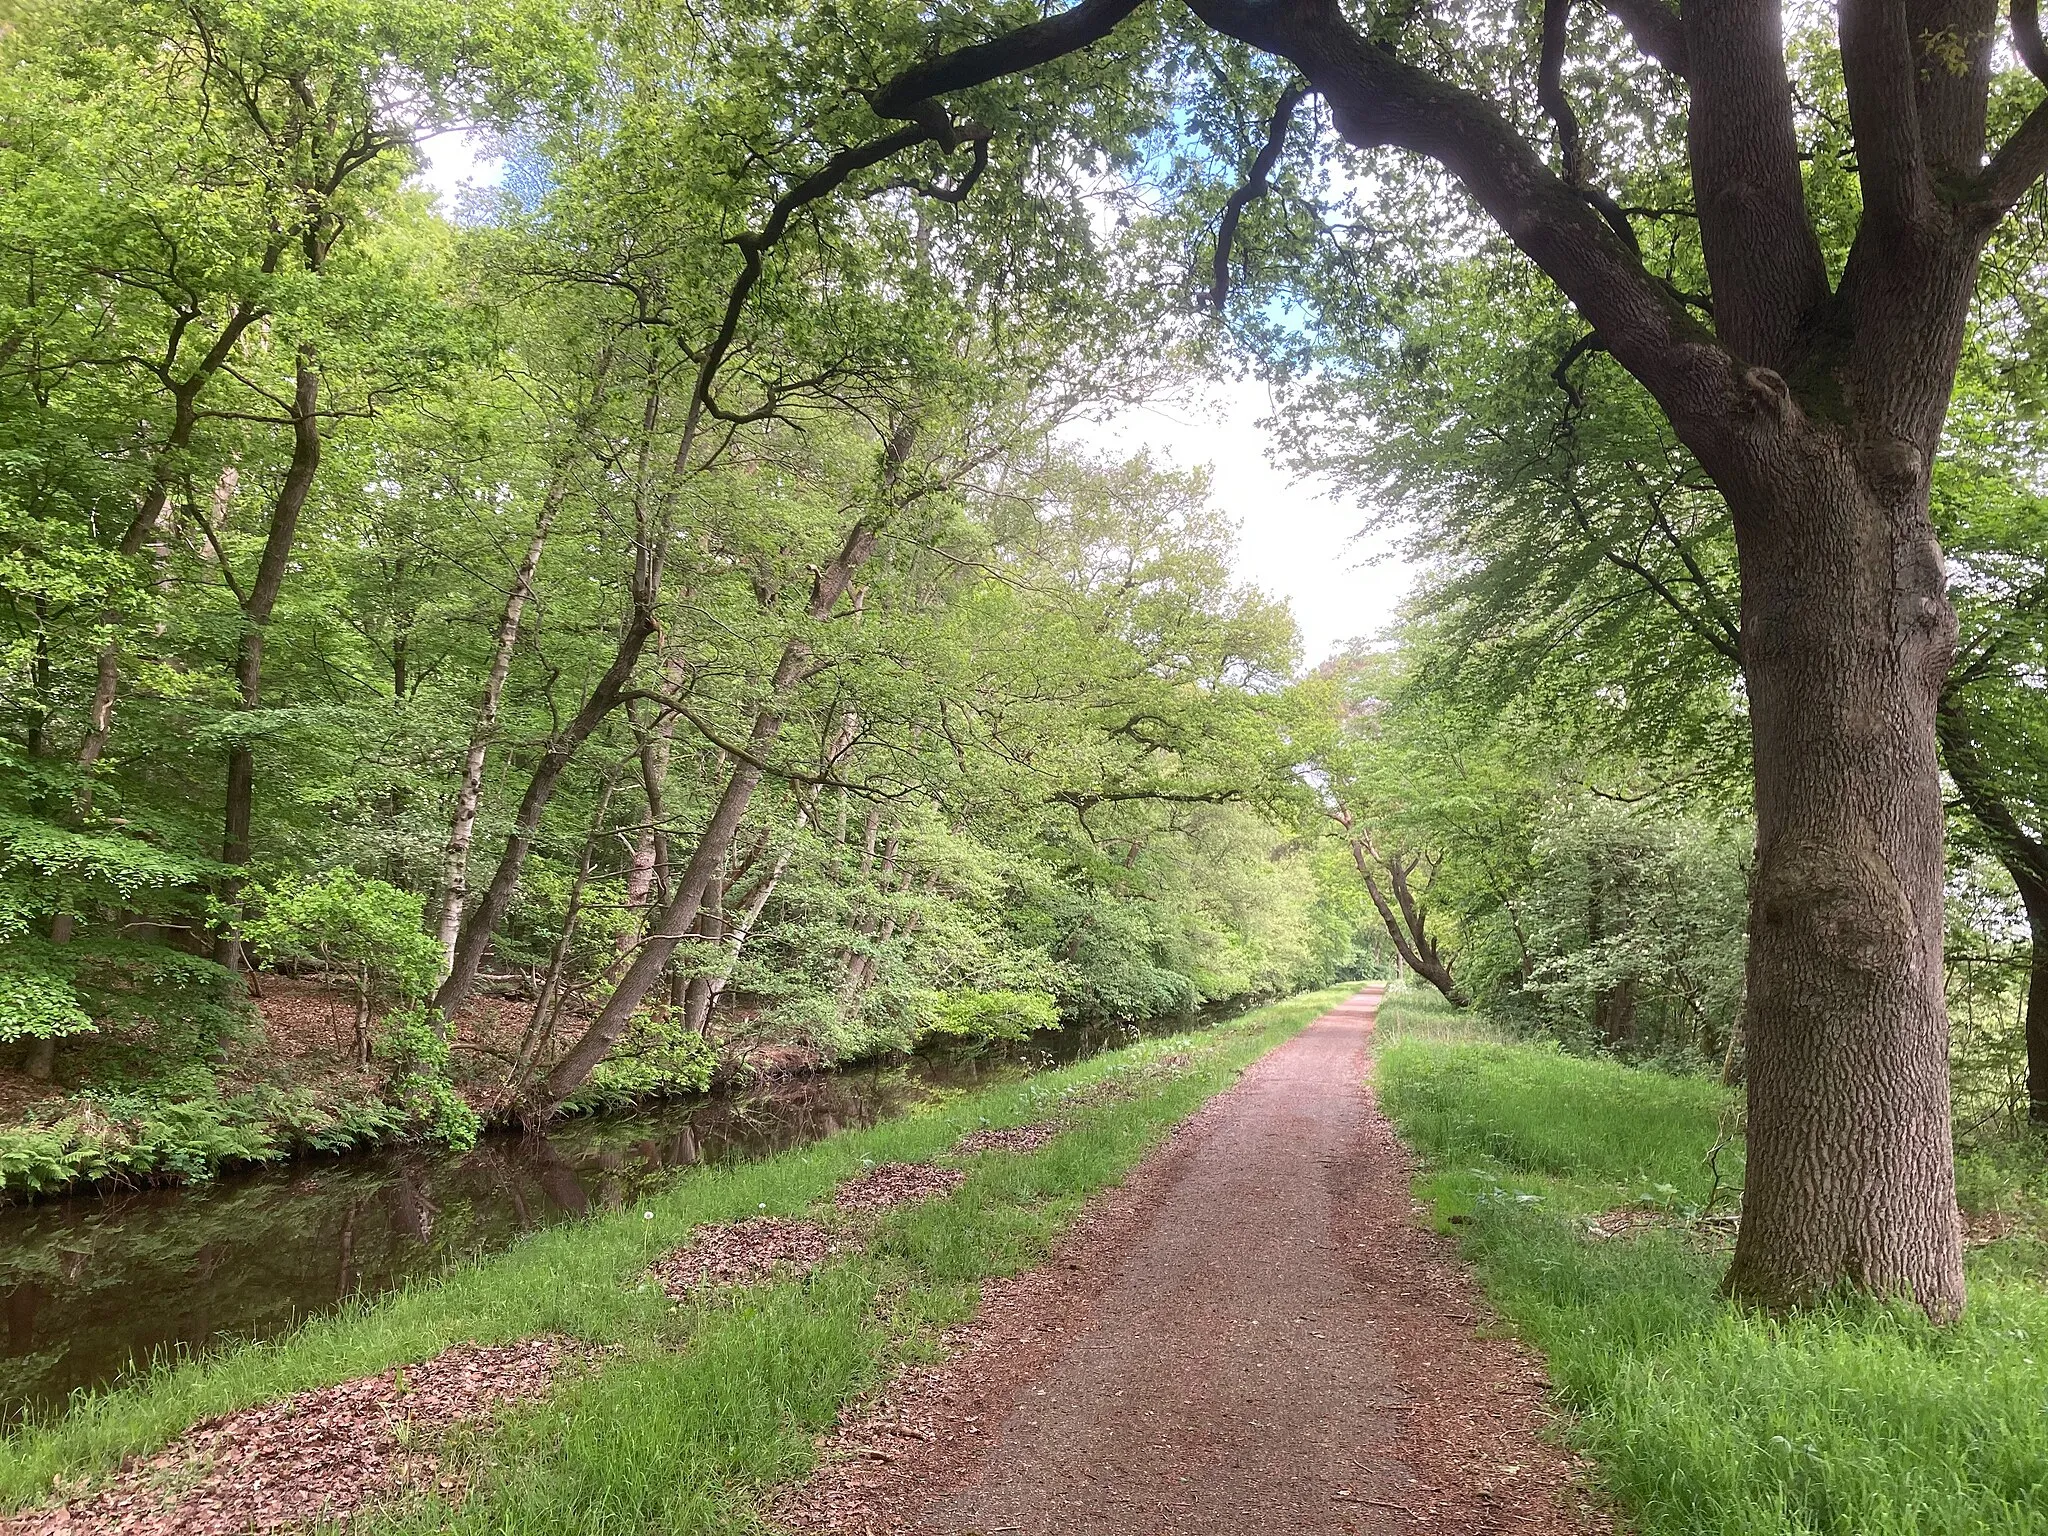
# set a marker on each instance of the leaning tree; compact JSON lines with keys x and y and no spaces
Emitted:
{"x":1815,"y":402}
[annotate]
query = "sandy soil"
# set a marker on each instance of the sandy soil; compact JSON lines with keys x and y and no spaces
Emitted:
{"x":1253,"y":1336}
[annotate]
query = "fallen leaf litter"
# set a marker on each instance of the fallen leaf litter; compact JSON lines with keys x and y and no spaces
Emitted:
{"x":325,"y":1455}
{"x":887,"y":1185}
{"x":314,"y":1457}
{"x":1018,"y":1138}
{"x":745,"y":1252}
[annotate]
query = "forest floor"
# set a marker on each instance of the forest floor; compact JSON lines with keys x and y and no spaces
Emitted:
{"x":1255,"y":1334}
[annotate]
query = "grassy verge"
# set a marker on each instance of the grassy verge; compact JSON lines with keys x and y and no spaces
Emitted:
{"x":1857,"y":1419}
{"x":694,"y":1411}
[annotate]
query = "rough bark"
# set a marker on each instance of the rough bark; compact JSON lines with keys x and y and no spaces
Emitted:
{"x":258,"y":604}
{"x":1847,"y":638}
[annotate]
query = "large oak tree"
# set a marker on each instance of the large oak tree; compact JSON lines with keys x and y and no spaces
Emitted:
{"x":1815,"y":403}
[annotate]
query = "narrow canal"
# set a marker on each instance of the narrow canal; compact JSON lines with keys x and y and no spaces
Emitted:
{"x":94,"y":1286}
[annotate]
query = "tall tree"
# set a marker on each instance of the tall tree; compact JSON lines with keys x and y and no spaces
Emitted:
{"x":1815,"y":402}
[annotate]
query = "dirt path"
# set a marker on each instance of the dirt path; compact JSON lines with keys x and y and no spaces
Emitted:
{"x":1253,"y":1337}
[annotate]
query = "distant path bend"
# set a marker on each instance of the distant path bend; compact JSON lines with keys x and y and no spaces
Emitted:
{"x":1253,"y":1337}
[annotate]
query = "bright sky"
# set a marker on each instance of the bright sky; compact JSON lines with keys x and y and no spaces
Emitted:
{"x":1295,"y":540}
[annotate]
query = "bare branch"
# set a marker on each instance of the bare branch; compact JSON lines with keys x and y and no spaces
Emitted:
{"x":1706,"y":628}
{"x":909,"y":93}
{"x":2026,"y":37}
{"x":1256,"y":184}
{"x":1084,"y":800}
{"x":2023,"y":159}
{"x":957,"y":192}
{"x":1561,"y":375}
{"x":755,"y":245}
{"x":1379,"y":100}
{"x":2020,"y":162}
{"x":1557,"y":15}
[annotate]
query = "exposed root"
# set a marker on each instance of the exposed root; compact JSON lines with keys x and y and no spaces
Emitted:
{"x":312,"y":1458}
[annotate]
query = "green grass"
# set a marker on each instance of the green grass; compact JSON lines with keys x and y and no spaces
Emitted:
{"x":693,"y":1412}
{"x":1858,"y":1419}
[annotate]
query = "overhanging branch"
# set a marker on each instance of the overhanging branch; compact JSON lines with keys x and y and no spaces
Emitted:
{"x":1379,"y":100}
{"x":2027,"y":41}
{"x":1256,"y":184}
{"x":1550,"y":94}
{"x":1068,"y":31}
{"x":1656,"y":29}
{"x":2023,"y":159}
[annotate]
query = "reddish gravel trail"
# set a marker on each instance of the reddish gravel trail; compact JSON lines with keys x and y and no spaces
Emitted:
{"x":1254,"y":1337}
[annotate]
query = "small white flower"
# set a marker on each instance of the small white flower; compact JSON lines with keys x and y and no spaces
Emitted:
{"x":647,"y":1215}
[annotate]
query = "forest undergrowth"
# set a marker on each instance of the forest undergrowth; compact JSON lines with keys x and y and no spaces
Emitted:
{"x":688,"y":1414}
{"x":1583,"y":1193}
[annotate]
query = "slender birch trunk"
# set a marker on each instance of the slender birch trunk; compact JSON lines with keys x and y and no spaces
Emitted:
{"x":469,"y":793}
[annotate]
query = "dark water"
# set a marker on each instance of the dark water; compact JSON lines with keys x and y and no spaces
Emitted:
{"x":92,"y":1285}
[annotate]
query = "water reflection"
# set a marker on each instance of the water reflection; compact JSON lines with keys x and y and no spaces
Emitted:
{"x":90,"y":1284}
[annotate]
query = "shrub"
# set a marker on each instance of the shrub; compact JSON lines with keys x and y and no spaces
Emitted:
{"x":1000,"y":1014}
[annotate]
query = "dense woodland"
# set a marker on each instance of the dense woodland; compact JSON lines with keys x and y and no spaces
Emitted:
{"x":658,"y":613}
{"x":544,"y":623}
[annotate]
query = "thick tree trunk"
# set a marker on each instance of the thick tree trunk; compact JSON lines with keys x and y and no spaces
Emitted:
{"x":1847,"y":637}
{"x":260,"y":603}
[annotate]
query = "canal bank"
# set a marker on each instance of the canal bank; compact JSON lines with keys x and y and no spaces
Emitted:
{"x":94,"y":1285}
{"x":730,"y":1386}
